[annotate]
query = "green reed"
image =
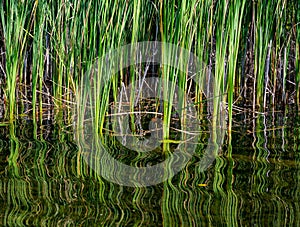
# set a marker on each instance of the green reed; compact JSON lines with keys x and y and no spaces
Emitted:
{"x":38,"y":53}
{"x":297,"y":56}
{"x":262,"y":23}
{"x":234,"y":29}
{"x":178,"y":25}
{"x":50,"y":45}
{"x":14,"y":21}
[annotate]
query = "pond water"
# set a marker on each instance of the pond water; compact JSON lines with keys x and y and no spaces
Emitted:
{"x":255,"y":181}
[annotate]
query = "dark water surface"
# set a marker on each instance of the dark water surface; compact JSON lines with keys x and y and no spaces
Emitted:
{"x":253,"y":182}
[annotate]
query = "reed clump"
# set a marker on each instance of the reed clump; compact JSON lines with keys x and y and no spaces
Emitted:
{"x":251,"y":48}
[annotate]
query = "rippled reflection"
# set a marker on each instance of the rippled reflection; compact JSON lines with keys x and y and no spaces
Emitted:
{"x":254,"y":181}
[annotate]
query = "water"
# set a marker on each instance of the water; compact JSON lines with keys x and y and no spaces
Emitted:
{"x":253,"y":182}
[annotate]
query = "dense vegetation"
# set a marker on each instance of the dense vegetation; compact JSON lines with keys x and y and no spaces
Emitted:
{"x":252,"y":48}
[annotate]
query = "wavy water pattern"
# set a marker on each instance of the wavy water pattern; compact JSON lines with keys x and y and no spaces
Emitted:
{"x":44,"y":181}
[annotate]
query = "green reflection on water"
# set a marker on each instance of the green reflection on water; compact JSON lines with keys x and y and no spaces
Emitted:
{"x":254,"y":181}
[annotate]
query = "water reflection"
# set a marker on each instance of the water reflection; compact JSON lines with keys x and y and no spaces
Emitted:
{"x":254,"y":181}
